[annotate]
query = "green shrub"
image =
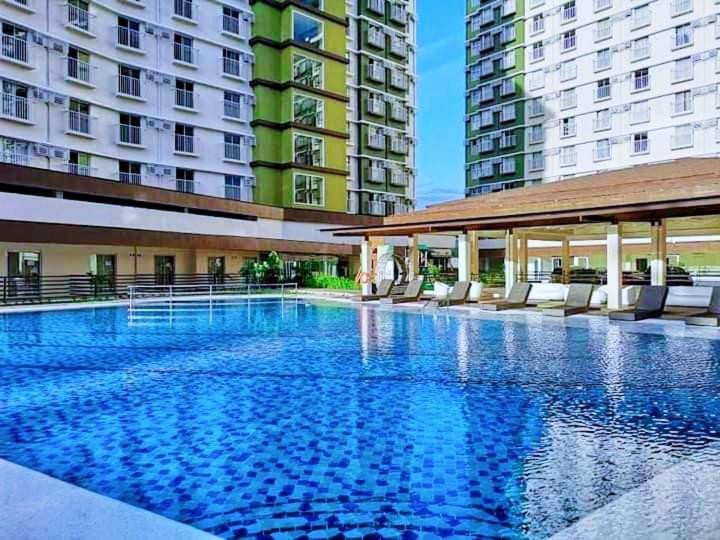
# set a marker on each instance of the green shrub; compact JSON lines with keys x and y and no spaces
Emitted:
{"x":322,"y":281}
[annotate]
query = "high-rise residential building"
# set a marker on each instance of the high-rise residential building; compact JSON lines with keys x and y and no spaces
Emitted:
{"x":557,"y":89}
{"x":381,"y":115}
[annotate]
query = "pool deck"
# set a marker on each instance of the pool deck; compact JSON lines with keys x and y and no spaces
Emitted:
{"x":34,"y":506}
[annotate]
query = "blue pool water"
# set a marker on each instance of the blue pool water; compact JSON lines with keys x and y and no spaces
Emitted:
{"x":329,"y":421}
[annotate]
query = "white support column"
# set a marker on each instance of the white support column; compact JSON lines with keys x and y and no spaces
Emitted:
{"x":658,"y":264}
{"x":474,"y":254}
{"x":614,"y":267}
{"x":365,"y":265}
{"x":463,"y":257}
{"x":509,"y":261}
{"x":523,"y":257}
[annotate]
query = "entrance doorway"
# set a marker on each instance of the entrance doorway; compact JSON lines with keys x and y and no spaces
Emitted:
{"x":105,"y":269}
{"x":164,"y":269}
{"x":24,"y":271}
{"x":216,"y":269}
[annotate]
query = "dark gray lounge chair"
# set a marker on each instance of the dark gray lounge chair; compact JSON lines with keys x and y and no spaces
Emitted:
{"x":712,"y":316}
{"x":516,"y":299}
{"x":650,"y":304}
{"x":577,"y":301}
{"x":411,"y":294}
{"x":458,"y":296}
{"x":383,"y":290}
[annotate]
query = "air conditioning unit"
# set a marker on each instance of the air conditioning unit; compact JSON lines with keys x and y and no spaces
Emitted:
{"x":166,"y":35}
{"x":58,"y":46}
{"x":149,"y":122}
{"x":167,"y":80}
{"x":167,"y":171}
{"x":150,"y":76}
{"x":59,"y":153}
{"x":167,"y":125}
{"x":150,"y":169}
{"x":39,"y":39}
{"x":40,"y":94}
{"x":58,"y":100}
{"x":150,"y":30}
{"x":40,"y":150}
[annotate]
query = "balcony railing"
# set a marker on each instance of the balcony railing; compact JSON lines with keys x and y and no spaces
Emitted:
{"x":398,"y":13}
{"x":376,"y":141}
{"x":378,"y":6}
{"x":569,"y":12}
{"x":399,"y":178}
{"x":239,"y":193}
{"x":640,"y":18}
{"x":641,"y":82}
{"x":603,"y":61}
{"x":81,"y":71}
{"x":601,"y":153}
{"x":376,"y":37}
{"x":602,"y":4}
{"x":641,"y":51}
{"x":683,"y":140}
{"x":185,"y":99}
{"x":232,"y":67}
{"x":236,"y":26}
{"x":28,"y":5}
{"x":399,"y":80}
{"x":398,"y":47}
{"x":376,"y":106}
{"x":129,"y":134}
{"x":78,"y":169}
{"x":129,"y":86}
{"x":375,"y":208}
{"x":185,"y":144}
{"x":15,"y":107}
{"x":15,"y":48}
{"x":678,"y":7}
{"x":603,"y":31}
{"x":641,"y":146}
{"x":235,"y":152}
{"x":602,"y":92}
{"x":376,"y":174}
{"x":79,"y":123}
{"x":127,"y":37}
{"x":236,"y":110}
{"x":185,"y":186}
{"x":185,"y":10}
{"x":130,"y":178}
{"x":376,"y":72}
{"x":602,"y":122}
{"x":78,"y":18}
{"x":398,"y":145}
{"x":399,"y":113}
{"x":185,"y":54}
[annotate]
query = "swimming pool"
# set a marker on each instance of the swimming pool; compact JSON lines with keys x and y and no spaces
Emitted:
{"x":283,"y":420}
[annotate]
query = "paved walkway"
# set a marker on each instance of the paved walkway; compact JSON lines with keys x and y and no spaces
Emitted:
{"x":34,"y":506}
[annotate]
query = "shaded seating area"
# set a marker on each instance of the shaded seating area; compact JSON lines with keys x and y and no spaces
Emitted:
{"x":517,"y":299}
{"x":650,"y":305}
{"x":711,"y":317}
{"x":578,"y":301}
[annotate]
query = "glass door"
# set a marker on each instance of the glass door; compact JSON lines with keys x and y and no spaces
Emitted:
{"x":216,"y":269}
{"x":164,"y":269}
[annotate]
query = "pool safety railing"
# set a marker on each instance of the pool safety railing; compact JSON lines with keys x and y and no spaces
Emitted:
{"x":163,"y":303}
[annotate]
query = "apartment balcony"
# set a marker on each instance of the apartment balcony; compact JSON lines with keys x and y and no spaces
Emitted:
{"x":376,"y":141}
{"x":602,"y":62}
{"x":236,"y":152}
{"x":375,"y":208}
{"x":185,"y":55}
{"x":536,"y":163}
{"x":376,"y":37}
{"x":641,"y":146}
{"x":602,"y":123}
{"x":569,"y":13}
{"x":237,"y":69}
{"x":568,"y":101}
{"x":187,"y":100}
{"x":602,"y":32}
{"x":399,"y":178}
{"x":538,"y":25}
{"x":16,"y":50}
{"x":398,"y":47}
{"x":79,"y":20}
{"x":233,"y":110}
{"x":79,"y":72}
{"x":640,"y":83}
{"x":568,"y":158}
{"x":508,"y":115}
{"x":507,"y":88}
{"x":599,"y":5}
{"x":16,"y":108}
{"x":683,"y":140}
{"x":130,"y":135}
{"x":25,"y":5}
{"x":682,"y":39}
{"x":129,"y":39}
{"x":508,"y":141}
{"x":15,"y":157}
{"x":639,"y":53}
{"x":398,"y":145}
{"x":185,"y":186}
{"x":186,"y":11}
{"x":399,"y":112}
{"x":486,"y":17}
{"x":131,"y":178}
{"x":399,"y":80}
{"x":602,"y":93}
{"x":569,"y":43}
{"x":78,"y":169}
{"x":679,"y":7}
{"x":602,"y":153}
{"x":535,"y":108}
{"x":130,"y":87}
{"x":376,"y":106}
{"x":236,"y":27}
{"x":376,"y":6}
{"x":508,"y":166}
{"x":680,"y":74}
{"x":509,"y":7}
{"x":186,"y":144}
{"x":485,"y":145}
{"x":376,"y":174}
{"x":78,"y":123}
{"x":640,"y":18}
{"x":244,"y":193}
{"x":376,"y":72}
{"x":398,"y":13}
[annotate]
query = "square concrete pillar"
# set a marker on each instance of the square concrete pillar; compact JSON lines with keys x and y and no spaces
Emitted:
{"x":463,"y":257}
{"x":413,"y":257}
{"x":474,"y":254}
{"x":565,"y":254}
{"x":658,"y":264}
{"x":510,"y":265}
{"x":614,"y":267}
{"x":366,"y":265}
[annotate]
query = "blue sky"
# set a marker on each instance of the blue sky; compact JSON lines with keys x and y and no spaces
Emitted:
{"x":441,"y":107}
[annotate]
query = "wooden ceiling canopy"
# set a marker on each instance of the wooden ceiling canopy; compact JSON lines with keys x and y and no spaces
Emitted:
{"x":680,"y":188}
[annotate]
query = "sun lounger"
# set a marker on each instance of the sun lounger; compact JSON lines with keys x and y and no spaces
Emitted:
{"x":412,"y":293}
{"x":650,"y":304}
{"x":458,"y":296}
{"x":712,"y":316}
{"x":383,"y":290}
{"x":577,"y":301}
{"x":516,"y":299}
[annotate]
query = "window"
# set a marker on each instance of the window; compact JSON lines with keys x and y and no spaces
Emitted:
{"x":507,"y":113}
{"x":508,"y":60}
{"x":185,"y":180}
{"x":507,"y":87}
{"x":239,"y":188}
{"x":130,"y":130}
{"x":568,"y":156}
{"x":602,"y":120}
{"x":536,"y":134}
{"x":641,"y":80}
{"x":536,"y":161}
{"x":536,"y":107}
{"x":376,"y":70}
{"x":538,"y":24}
{"x":15,"y":102}
{"x":14,"y":43}
{"x":536,"y":79}
{"x":235,"y":147}
{"x":231,"y":20}
{"x":78,"y":14}
{"x":682,"y":70}
{"x":308,"y":110}
{"x":641,"y":143}
{"x":508,"y":139}
{"x":486,"y":118}
{"x":184,"y":139}
{"x":307,"y":30}
{"x":682,"y":137}
{"x":603,"y":29}
{"x":475,"y":122}
{"x":78,"y":65}
{"x":14,"y":151}
{"x":231,"y":63}
{"x":309,"y":189}
{"x":603,"y":59}
{"x":185,"y":9}
{"x":308,"y":150}
{"x":602,"y":151}
{"x":79,"y":117}
{"x":568,"y":98}
{"x":641,"y":48}
{"x":683,"y":102}
{"x":129,"y":81}
{"x":507,"y":165}
{"x":602,"y":91}
{"x":233,"y":106}
{"x":640,"y":17}
{"x":568,"y":70}
{"x":568,"y":41}
{"x":569,"y":11}
{"x":184,"y":94}
{"x":682,"y":36}
{"x":307,"y":71}
{"x":678,"y":7}
{"x":568,"y":127}
{"x":538,"y":51}
{"x":376,"y":37}
{"x":130,"y":172}
{"x":183,"y":50}
{"x":128,"y":33}
{"x":79,"y":163}
{"x":640,"y":112}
